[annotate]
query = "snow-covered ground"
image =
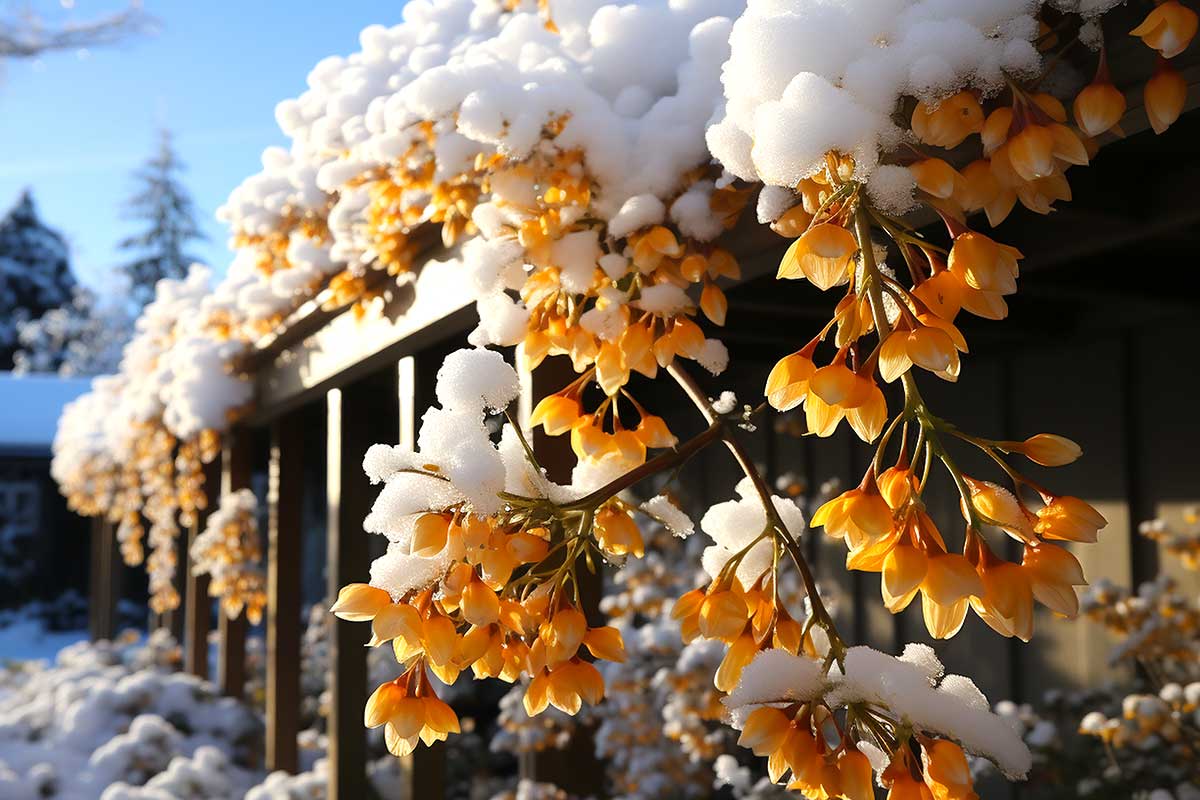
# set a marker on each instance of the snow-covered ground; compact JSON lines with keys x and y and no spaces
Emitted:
{"x":28,"y":640}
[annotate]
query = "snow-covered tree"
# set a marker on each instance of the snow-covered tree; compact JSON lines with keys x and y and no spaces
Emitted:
{"x":27,"y":34}
{"x":163,"y":204}
{"x":35,"y":272}
{"x":83,"y":337}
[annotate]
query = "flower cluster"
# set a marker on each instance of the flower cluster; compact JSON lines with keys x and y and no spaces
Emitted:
{"x":564,"y":154}
{"x":832,"y":731}
{"x":480,"y":571}
{"x":229,"y":550}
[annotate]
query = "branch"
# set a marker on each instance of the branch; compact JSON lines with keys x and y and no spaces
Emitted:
{"x":820,"y":613}
{"x":30,"y":36}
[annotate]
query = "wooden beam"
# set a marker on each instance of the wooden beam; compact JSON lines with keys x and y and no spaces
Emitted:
{"x":197,"y":609}
{"x":231,"y":633}
{"x":348,"y":498}
{"x":284,"y":502}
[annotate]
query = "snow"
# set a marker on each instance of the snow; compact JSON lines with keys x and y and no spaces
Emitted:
{"x":660,"y":507}
{"x":734,"y":525}
{"x":776,"y":675}
{"x":25,"y":639}
{"x":32,"y":405}
{"x":805,"y":79}
{"x":98,"y":717}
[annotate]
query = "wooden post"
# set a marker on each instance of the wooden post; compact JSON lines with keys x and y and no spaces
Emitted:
{"x":422,"y":772}
{"x":197,"y":609}
{"x":231,"y":654}
{"x":284,"y":499}
{"x":573,"y":769}
{"x":104,"y":590}
{"x":347,"y":562}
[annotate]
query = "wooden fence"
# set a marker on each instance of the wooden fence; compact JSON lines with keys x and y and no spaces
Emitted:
{"x":1091,"y":352}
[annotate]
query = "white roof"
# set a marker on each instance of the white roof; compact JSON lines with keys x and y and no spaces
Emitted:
{"x":30,"y":406}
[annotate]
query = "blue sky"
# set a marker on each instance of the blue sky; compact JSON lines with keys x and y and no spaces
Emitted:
{"x":74,"y":126}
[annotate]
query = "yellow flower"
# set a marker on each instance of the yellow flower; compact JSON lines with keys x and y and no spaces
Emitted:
{"x":947,"y":123}
{"x":787,"y":385}
{"x":936,"y":178}
{"x":1053,"y":573}
{"x":1164,"y":97}
{"x":947,"y":773}
{"x":556,"y":414}
{"x":1047,"y":449}
{"x":360,"y":602}
{"x":618,"y":534}
{"x":983,"y":263}
{"x":605,"y":643}
{"x":765,"y":731}
{"x":1069,"y":518}
{"x":1169,"y":28}
{"x":572,"y":684}
{"x":1098,"y":107}
{"x":824,"y":255}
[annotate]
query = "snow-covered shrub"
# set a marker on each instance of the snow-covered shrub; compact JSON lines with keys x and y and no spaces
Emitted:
{"x":106,"y":718}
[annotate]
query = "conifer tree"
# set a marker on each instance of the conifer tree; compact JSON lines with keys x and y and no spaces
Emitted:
{"x":35,"y":272}
{"x":163,"y":204}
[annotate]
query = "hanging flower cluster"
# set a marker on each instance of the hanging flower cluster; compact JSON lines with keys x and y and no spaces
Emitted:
{"x":229,"y":551}
{"x":566,"y":153}
{"x":1137,"y":736}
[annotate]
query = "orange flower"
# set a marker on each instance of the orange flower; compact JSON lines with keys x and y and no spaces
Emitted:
{"x":793,"y":223}
{"x":606,"y":643}
{"x":1098,"y":107}
{"x":765,"y":731}
{"x":984,"y":264}
{"x":740,"y":653}
{"x":936,"y":178}
{"x":942,"y":294}
{"x":723,"y":615}
{"x":1002,"y":508}
{"x":950,"y":581}
{"x":713,"y":303}
{"x":928,"y":342}
{"x":618,"y":534}
{"x":1164,"y":96}
{"x":555,"y":413}
{"x":787,"y":385}
{"x":947,"y":773}
{"x":947,"y":123}
{"x":397,"y":621}
{"x":904,"y":569}
{"x":1053,"y":573}
{"x":1169,"y":28}
{"x":652,"y":431}
{"x":1047,"y":449}
{"x":430,"y":534}
{"x":383,"y":704}
{"x":980,"y":189}
{"x":824,"y":255}
{"x":687,"y":611}
{"x":856,"y":776}
{"x":572,"y":684}
{"x":860,"y":516}
{"x":360,"y":602}
{"x":1006,"y":603}
{"x":1069,"y":518}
